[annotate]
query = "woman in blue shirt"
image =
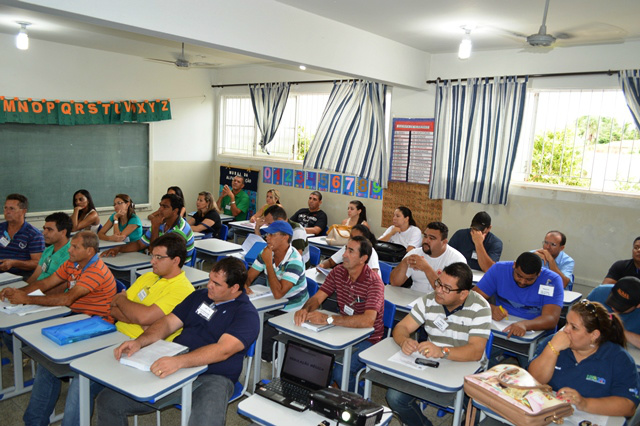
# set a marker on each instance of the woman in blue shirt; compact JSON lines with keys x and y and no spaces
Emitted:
{"x":128,"y":226}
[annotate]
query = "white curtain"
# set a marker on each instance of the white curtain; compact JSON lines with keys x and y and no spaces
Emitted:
{"x":477,"y":128}
{"x":269,"y":101}
{"x":630,"y":83}
{"x":350,"y":137}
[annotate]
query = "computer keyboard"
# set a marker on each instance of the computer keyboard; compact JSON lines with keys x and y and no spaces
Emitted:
{"x":289,"y":390}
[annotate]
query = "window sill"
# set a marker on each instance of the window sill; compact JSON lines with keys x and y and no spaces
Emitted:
{"x":552,"y":192}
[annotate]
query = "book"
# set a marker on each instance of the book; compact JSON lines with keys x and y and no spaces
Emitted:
{"x":146,"y":356}
{"x":316,"y":327}
{"x":259,"y":291}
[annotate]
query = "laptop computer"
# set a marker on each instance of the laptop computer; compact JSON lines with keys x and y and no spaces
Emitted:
{"x":304,"y":370}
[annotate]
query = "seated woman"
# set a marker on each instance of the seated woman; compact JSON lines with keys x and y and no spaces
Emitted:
{"x":176,"y":190}
{"x":84,"y":216}
{"x":128,"y":225}
{"x":356,"y":214}
{"x":206,"y":219}
{"x":404,"y":230}
{"x":273,"y":198}
{"x":336,"y":259}
{"x":587,"y":365}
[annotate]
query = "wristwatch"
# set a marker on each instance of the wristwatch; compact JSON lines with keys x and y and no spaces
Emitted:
{"x":329,"y":320}
{"x":445,"y":353}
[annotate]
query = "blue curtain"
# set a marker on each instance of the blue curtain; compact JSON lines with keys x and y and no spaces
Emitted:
{"x":477,"y":128}
{"x":630,"y":83}
{"x":269,"y":101}
{"x":350,"y":137}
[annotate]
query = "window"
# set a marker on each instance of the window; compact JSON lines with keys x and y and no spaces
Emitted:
{"x":240,"y":135}
{"x":582,"y":139}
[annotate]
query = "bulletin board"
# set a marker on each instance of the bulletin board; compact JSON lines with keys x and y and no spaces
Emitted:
{"x":415,"y":197}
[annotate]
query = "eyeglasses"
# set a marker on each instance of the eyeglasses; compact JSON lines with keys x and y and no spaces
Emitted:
{"x":548,"y":243}
{"x":159,"y":257}
{"x":119,"y":203}
{"x":445,"y":288}
{"x":591,"y":308}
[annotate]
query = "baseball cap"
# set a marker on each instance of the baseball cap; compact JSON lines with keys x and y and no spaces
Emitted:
{"x":481,"y":220}
{"x":278,"y":226}
{"x":625,"y":294}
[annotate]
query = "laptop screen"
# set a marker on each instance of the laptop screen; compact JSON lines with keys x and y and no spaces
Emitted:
{"x":307,"y":366}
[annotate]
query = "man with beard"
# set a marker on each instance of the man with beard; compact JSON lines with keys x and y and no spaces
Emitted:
{"x":422,"y":264}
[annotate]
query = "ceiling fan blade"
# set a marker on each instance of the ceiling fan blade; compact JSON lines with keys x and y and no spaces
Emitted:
{"x":162,"y":61}
{"x":204,"y":65}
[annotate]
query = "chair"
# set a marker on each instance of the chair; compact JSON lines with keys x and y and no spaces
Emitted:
{"x":312,"y":287}
{"x":194,"y":257}
{"x":314,"y":255}
{"x":224,"y":232}
{"x":120,"y":286}
{"x":385,"y":270}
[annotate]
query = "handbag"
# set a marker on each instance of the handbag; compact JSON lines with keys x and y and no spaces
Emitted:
{"x":338,"y":235}
{"x":513,"y":393}
{"x":390,"y":252}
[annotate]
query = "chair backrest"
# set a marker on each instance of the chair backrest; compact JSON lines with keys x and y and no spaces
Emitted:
{"x":314,"y":255}
{"x":224,"y":232}
{"x":120,"y":286}
{"x":192,"y":261}
{"x":312,"y":287}
{"x":487,"y":349}
{"x":389,"y":315}
{"x":385,"y":270}
{"x":240,"y":388}
{"x":570,"y":285}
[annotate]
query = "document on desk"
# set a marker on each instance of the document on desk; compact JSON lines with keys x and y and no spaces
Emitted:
{"x":259,"y":291}
{"x":316,"y":327}
{"x":146,"y":356}
{"x":9,"y":308}
{"x":408,"y":360}
{"x":578,"y":416}
{"x":504,"y":323}
{"x":323,"y":271}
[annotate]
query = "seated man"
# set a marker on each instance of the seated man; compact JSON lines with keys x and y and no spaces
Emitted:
{"x":423,"y":263}
{"x":57,"y":234}
{"x":217,"y":332}
{"x":625,"y":268}
{"x":477,"y":244}
{"x":299,"y":237}
{"x":234,"y":201}
{"x":21,"y":244}
{"x":623,"y":298}
{"x":458,"y":323}
{"x":360,"y":300}
{"x":150,"y":298}
{"x":164,"y":220}
{"x":554,"y":258}
{"x":313,"y":220}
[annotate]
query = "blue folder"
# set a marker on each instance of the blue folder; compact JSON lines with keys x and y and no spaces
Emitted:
{"x":64,"y":334}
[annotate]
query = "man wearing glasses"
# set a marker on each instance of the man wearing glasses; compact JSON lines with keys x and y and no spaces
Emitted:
{"x":458,"y":323}
{"x":423,"y":263}
{"x":554,"y":258}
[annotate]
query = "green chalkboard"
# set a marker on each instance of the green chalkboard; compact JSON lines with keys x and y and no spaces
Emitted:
{"x":48,"y":163}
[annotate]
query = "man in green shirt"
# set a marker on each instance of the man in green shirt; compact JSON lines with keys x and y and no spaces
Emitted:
{"x":234,"y":201}
{"x":56,"y":232}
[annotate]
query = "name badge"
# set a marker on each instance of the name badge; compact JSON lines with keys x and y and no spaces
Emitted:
{"x":4,"y":241}
{"x":142,"y":294}
{"x":474,"y":255}
{"x":441,"y":323}
{"x":206,"y":311}
{"x":546,"y":290}
{"x":348,"y":310}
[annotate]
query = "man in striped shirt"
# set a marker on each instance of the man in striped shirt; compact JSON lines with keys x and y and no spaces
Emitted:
{"x":164,"y":220}
{"x":21,"y":244}
{"x":458,"y":323}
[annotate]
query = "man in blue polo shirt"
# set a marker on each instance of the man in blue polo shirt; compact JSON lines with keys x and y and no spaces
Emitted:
{"x":21,"y":244}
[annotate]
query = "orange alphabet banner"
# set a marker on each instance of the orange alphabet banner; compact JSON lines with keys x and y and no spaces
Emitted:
{"x":71,"y":113}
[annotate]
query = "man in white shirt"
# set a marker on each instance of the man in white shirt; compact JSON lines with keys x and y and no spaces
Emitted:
{"x":423,"y":263}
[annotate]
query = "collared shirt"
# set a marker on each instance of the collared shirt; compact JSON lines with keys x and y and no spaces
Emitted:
{"x":27,"y":241}
{"x":51,"y":261}
{"x":182,"y":228}
{"x":291,"y":269}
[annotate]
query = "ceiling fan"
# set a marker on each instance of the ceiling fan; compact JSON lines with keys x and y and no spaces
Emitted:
{"x":183,"y":63}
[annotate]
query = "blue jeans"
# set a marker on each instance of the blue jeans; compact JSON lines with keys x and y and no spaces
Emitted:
{"x":355,"y":366}
{"x":407,"y":407}
{"x":72,"y":405}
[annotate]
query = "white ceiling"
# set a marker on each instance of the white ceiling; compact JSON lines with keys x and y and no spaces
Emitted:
{"x":428,"y":25}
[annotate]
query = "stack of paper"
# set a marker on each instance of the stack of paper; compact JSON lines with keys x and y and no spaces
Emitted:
{"x":316,"y":327}
{"x":260,"y":291}
{"x":146,"y":356}
{"x":10,"y":308}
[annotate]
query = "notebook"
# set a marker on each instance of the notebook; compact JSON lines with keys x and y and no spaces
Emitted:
{"x":76,"y":331}
{"x":145,"y":357}
{"x":304,"y":370}
{"x":260,"y":291}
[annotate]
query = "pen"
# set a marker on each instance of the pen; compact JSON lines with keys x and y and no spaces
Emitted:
{"x":506,"y":315}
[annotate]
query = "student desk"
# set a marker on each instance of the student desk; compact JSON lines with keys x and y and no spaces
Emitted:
{"x":265,"y":412}
{"x":106,"y":245}
{"x":263,"y":305}
{"x":197,"y":235}
{"x":401,"y":297}
{"x":8,"y":323}
{"x":570,"y":297}
{"x":493,"y":419}
{"x":335,"y":339}
{"x":442,"y":385}
{"x":325,"y":249}
{"x":241,"y":227}
{"x":142,"y":386}
{"x":225,"y":218}
{"x":525,"y":345}
{"x":315,"y":275}
{"x":195,"y":276}
{"x":127,"y":262}
{"x":146,"y":223}
{"x":7,"y":278}
{"x":477,"y":276}
{"x":213,"y":247}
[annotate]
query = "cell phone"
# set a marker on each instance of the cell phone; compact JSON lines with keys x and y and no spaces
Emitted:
{"x":427,"y":362}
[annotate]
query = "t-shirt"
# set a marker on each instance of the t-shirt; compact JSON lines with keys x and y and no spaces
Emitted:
{"x":165,"y":294}
{"x":135,"y":220}
{"x":420,"y":280}
{"x":463,"y":242}
{"x":27,"y":241}
{"x":374,"y":262}
{"x":525,"y":302}
{"x":623,"y":268}
{"x":211,"y":215}
{"x":237,"y":317}
{"x":242,"y":203}
{"x":182,"y":228}
{"x":411,"y":237}
{"x":299,"y":240}
{"x":308,"y":219}
{"x":290,"y":269}
{"x":366,"y":294}
{"x":50,"y":261}
{"x":631,"y":320}
{"x":96,"y":278}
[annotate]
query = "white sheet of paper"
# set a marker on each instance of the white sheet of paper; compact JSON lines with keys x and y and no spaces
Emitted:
{"x":408,"y":360}
{"x":249,"y":242}
{"x":504,"y":323}
{"x":578,"y":416}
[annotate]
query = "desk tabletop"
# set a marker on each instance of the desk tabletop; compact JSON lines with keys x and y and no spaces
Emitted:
{"x":194,"y":275}
{"x":224,"y":218}
{"x":477,"y":275}
{"x":269,"y":303}
{"x":10,"y":321}
{"x":245,"y":224}
{"x":215,"y":247}
{"x":315,"y":275}
{"x":322,"y":241}
{"x":448,"y":377}
{"x":140,"y":385}
{"x":529,"y":336}
{"x":32,"y":336}
{"x":7,"y":277}
{"x":334,"y":338}
{"x":401,"y":297}
{"x":571,"y":297}
{"x":105,"y":245}
{"x":125,"y":261}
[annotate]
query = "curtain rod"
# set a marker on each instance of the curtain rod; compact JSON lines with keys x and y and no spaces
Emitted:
{"x":290,"y":82}
{"x":558,"y":74}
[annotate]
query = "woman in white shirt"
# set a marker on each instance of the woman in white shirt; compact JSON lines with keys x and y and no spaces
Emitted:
{"x":404,"y":230}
